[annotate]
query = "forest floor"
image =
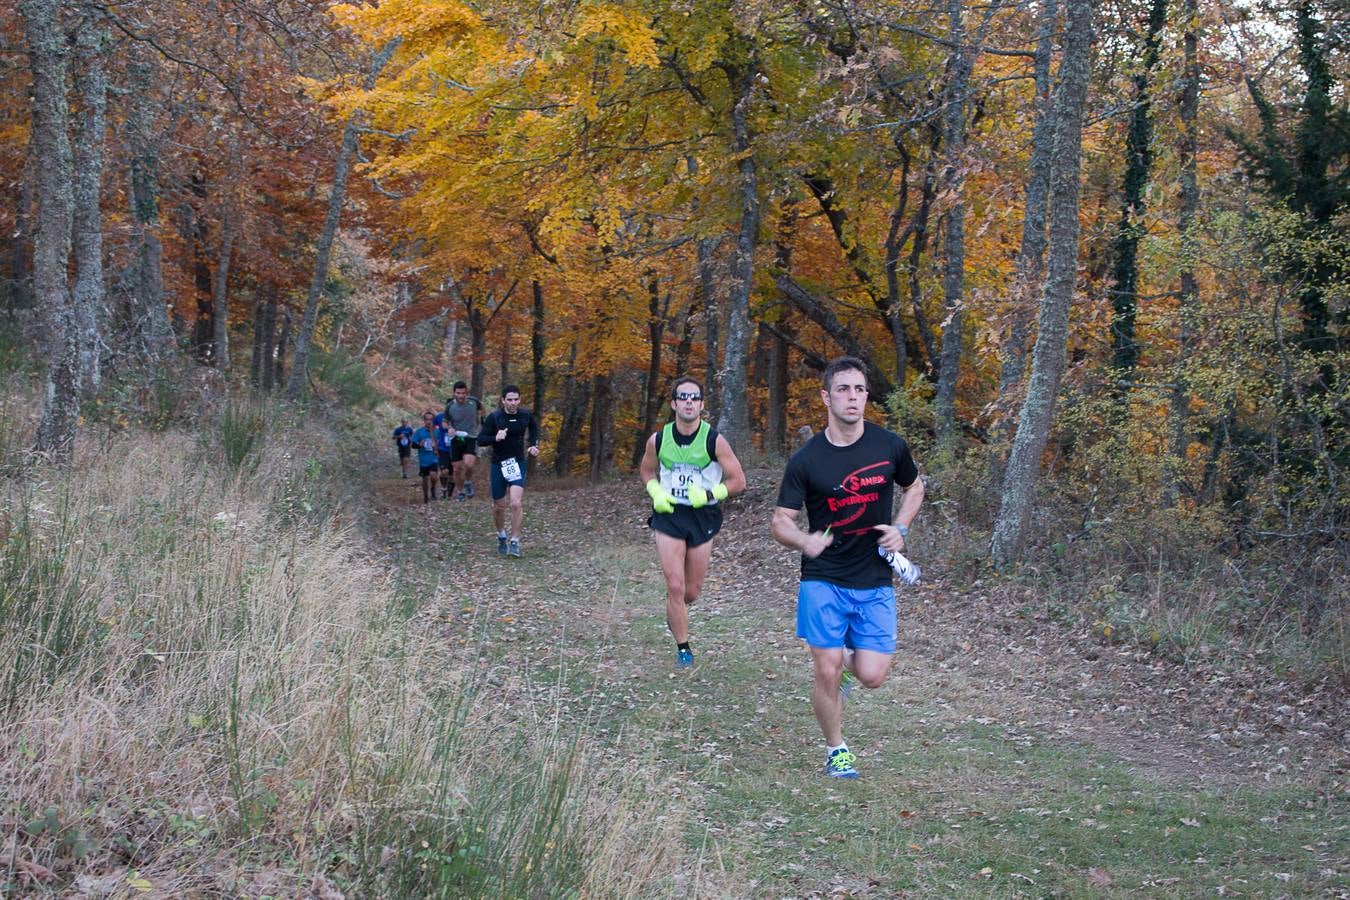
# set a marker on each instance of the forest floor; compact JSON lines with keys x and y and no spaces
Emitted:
{"x":1008,"y":754}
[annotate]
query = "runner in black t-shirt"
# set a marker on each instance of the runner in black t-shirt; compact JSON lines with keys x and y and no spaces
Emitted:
{"x":846,"y":603}
{"x":505,"y":430}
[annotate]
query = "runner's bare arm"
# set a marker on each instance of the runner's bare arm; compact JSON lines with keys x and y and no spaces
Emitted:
{"x":786,"y":532}
{"x":647,"y":468}
{"x":733,"y":475}
{"x":911,"y":498}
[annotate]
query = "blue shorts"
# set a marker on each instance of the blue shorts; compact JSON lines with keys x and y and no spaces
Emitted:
{"x":498,"y":481}
{"x":831,"y":616}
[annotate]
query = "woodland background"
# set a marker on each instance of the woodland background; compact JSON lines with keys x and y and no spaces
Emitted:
{"x":1095,"y":256}
{"x":589,"y":198}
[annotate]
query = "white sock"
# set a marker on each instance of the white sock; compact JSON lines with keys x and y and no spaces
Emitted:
{"x":501,"y":534}
{"x":830,"y":750}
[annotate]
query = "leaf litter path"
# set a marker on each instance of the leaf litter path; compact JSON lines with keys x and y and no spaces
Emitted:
{"x":993,"y":723}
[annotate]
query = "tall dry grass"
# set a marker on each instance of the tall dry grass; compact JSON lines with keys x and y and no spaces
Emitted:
{"x":206,"y":686}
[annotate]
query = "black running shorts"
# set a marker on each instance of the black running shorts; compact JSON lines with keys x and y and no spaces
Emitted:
{"x":693,"y":526}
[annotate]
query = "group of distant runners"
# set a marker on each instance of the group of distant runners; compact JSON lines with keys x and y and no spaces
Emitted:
{"x":447,"y":447}
{"x":844,"y":476}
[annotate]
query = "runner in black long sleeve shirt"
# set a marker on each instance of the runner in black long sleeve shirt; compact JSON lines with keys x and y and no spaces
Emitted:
{"x":513,"y":435}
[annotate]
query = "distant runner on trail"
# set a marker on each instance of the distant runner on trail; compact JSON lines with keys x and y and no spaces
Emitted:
{"x":463,"y":416}
{"x":688,"y":469}
{"x":444,"y":438}
{"x":428,"y":459}
{"x":403,"y":441}
{"x":512,"y":433}
{"x":846,"y":601}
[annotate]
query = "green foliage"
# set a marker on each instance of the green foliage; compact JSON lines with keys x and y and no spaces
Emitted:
{"x":243,"y":427}
{"x":45,"y":609}
{"x":345,"y":377}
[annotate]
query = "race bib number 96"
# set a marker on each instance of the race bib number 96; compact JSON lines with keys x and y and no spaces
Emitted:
{"x":511,"y":469}
{"x":681,"y":476}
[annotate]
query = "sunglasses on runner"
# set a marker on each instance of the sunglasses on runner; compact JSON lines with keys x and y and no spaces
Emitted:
{"x":685,"y":395}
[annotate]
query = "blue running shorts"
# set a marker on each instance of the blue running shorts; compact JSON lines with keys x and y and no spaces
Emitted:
{"x":830,"y":616}
{"x":498,"y":483}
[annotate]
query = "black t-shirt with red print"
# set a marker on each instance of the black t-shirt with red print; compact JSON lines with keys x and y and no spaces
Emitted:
{"x":848,"y":490}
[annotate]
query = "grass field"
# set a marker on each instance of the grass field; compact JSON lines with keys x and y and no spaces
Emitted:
{"x":236,"y":663}
{"x":961,"y":794}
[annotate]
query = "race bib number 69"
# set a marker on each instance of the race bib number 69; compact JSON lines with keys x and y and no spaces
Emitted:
{"x":511,"y":469}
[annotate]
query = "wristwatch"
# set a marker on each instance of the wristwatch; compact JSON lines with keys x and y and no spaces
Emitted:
{"x":903,"y":529}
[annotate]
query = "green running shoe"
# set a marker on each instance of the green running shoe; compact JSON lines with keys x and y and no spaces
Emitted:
{"x":847,"y":682}
{"x":513,"y":549}
{"x":840,"y":764}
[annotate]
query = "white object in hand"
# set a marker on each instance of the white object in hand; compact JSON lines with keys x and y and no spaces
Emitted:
{"x":908,"y":572}
{"x":461,"y":434}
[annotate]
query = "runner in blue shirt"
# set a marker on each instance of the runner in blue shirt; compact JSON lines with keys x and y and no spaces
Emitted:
{"x":428,"y":460}
{"x":403,"y":440}
{"x":445,"y":436}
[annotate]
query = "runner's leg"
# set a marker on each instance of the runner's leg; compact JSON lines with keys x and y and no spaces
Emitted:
{"x":827,"y":663}
{"x":695,"y":570}
{"x":468,"y":461}
{"x":672,"y":552}
{"x":871,"y":667}
{"x":516,"y":494}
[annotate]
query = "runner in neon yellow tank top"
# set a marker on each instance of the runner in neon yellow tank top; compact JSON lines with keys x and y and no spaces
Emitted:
{"x":689,"y":469}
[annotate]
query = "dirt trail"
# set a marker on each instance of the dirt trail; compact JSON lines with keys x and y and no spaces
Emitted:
{"x":997,"y":664}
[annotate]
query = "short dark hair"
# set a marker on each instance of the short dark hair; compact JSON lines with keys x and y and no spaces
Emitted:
{"x":684,"y":379}
{"x":510,"y":389}
{"x":458,"y":385}
{"x":842,"y":364}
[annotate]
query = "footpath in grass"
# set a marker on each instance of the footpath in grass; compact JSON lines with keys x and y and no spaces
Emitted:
{"x":967,"y":790}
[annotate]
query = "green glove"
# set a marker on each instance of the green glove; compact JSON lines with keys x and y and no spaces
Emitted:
{"x":662,"y":500}
{"x":698,"y":497}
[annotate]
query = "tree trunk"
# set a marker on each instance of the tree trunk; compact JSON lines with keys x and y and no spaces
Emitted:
{"x":147,"y":318}
{"x":775,"y":431}
{"x":451,"y":339}
{"x":656,"y":330}
{"x":954,"y":266}
{"x":255,"y":368}
{"x":504,"y":372}
{"x":601,"y":444}
{"x":1031,"y":255}
{"x":193,"y":228}
{"x":538,"y":345}
{"x":733,"y":416}
{"x":816,"y":310}
{"x":92,"y":86}
{"x":1138,"y":169}
{"x":220,"y":296}
{"x":685,"y":347}
{"x":928,"y":193}
{"x":895,"y":238}
{"x":575,"y":406}
{"x":707,"y":296}
{"x":269,"y":339}
{"x":478,"y":347}
{"x":324,"y":247}
{"x":55,"y":217}
{"x":1189,"y":302}
{"x":20,"y":293}
{"x":1053,"y":321}
{"x":283,"y":341}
